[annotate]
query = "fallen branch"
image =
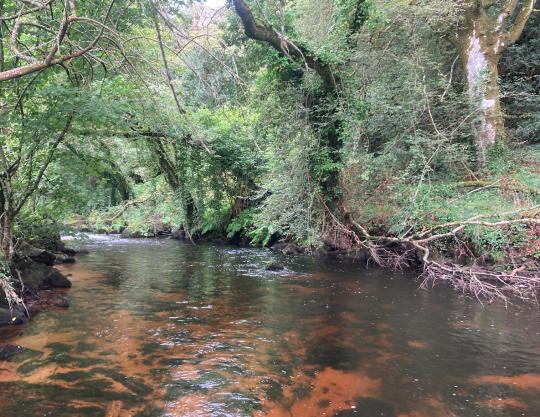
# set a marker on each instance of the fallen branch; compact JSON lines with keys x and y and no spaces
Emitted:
{"x":507,"y":185}
{"x":475,"y":280}
{"x":23,"y":288}
{"x":128,"y":204}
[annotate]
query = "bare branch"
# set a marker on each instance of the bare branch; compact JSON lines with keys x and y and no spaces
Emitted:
{"x":169,"y":78}
{"x":516,"y":29}
{"x":32,"y":187}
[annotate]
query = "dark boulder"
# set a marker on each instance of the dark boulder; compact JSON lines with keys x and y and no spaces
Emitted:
{"x":32,"y":275}
{"x":56,"y":280}
{"x":291,"y":249}
{"x":279,"y":246}
{"x":58,"y":301}
{"x":69,"y":261}
{"x":274,"y":266}
{"x":36,"y":276}
{"x":10,"y":350}
{"x":69,"y":251}
{"x":15,"y":316}
{"x":41,"y":256}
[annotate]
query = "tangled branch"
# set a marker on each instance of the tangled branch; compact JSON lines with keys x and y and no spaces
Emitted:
{"x":481,"y":282}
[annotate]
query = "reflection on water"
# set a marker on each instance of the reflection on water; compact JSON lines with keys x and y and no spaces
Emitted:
{"x":164,"y":328}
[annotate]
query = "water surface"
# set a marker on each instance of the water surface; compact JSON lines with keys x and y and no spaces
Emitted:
{"x":165,"y":328}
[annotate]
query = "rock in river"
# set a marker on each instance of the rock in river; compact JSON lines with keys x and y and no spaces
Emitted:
{"x":291,"y":249}
{"x":58,"y":301}
{"x":16,"y":316}
{"x":56,"y":280}
{"x":69,"y":261}
{"x":274,"y":266}
{"x":10,"y":350}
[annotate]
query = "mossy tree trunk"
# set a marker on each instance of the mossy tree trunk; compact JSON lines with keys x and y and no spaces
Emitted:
{"x":487,"y":30}
{"x":260,"y":30}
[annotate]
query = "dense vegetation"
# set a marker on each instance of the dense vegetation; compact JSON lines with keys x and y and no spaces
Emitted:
{"x":384,"y":125}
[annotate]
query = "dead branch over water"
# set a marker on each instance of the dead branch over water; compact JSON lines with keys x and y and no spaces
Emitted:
{"x":482,"y":282}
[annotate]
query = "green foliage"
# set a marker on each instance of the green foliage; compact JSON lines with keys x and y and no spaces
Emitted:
{"x":387,"y":144}
{"x":520,"y":85}
{"x":241,"y":224}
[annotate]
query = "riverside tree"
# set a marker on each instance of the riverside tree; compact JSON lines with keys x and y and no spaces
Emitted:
{"x":484,"y":33}
{"x":48,"y":51}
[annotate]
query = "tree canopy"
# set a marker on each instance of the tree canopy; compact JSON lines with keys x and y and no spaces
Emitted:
{"x":264,"y":119}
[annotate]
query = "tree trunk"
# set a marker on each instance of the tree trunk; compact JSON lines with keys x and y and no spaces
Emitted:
{"x":6,"y":237}
{"x":263,"y":31}
{"x":480,"y":66}
{"x":480,"y":39}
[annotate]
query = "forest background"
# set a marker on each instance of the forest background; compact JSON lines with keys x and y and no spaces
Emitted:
{"x":410,"y":130}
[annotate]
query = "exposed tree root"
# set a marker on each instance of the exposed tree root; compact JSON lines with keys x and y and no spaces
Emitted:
{"x":484,"y":283}
{"x":480,"y":282}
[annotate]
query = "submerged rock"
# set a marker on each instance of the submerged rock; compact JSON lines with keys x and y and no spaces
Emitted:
{"x":10,"y":350}
{"x":274,"y":266}
{"x":58,"y":301}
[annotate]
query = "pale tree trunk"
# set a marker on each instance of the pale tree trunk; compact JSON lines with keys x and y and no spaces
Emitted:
{"x":6,"y":221}
{"x":480,"y":41}
{"x":6,"y":237}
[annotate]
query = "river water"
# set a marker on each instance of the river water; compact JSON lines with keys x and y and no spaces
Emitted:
{"x":166,"y":328}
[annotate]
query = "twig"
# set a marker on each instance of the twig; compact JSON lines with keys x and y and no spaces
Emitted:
{"x":473,"y":191}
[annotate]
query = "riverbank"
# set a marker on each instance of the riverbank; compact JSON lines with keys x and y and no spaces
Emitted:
{"x":34,"y":279}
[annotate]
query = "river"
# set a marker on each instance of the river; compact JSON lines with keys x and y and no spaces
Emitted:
{"x":166,"y":328}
